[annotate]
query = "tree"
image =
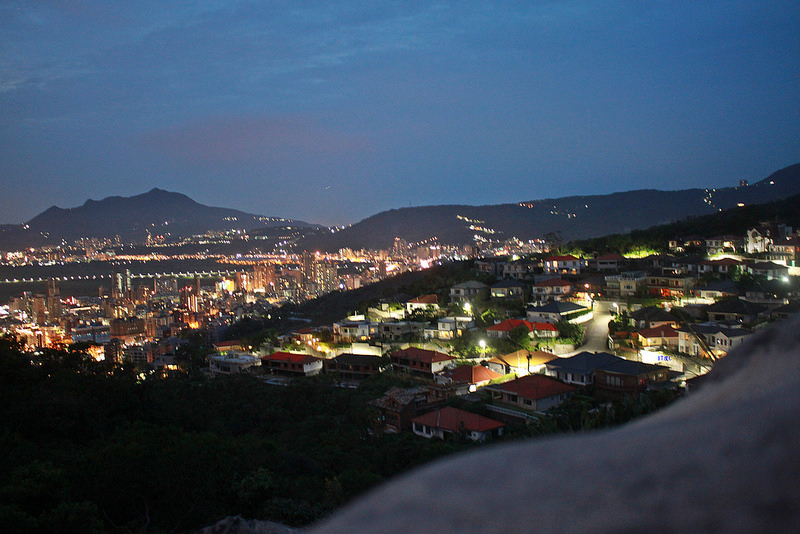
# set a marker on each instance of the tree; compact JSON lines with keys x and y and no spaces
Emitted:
{"x":520,"y":336}
{"x":570,"y":331}
{"x":554,"y":242}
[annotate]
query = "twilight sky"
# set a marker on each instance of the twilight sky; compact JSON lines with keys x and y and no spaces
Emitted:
{"x":333,"y":111}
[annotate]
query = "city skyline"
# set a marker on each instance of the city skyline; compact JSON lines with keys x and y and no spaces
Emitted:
{"x":332,"y":113}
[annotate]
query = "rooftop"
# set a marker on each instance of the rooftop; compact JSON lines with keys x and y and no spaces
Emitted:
{"x":534,"y":387}
{"x":456,"y":420}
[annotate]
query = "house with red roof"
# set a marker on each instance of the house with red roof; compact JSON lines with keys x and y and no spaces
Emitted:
{"x":452,"y":422}
{"x":291,"y":364}
{"x":467,"y":378}
{"x":552,"y":289}
{"x":504,"y":328}
{"x":423,"y":303}
{"x":659,"y":336}
{"x":568,"y":264}
{"x":398,"y":406}
{"x":420,"y":362}
{"x":307,"y":336}
{"x":225,"y":346}
{"x":532,"y":392}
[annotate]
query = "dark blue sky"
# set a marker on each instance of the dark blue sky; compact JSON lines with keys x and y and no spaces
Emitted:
{"x":333,"y":111}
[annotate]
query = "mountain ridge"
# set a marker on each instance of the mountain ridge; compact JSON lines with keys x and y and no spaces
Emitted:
{"x":155,"y":212}
{"x":573,"y":217}
{"x":162,"y":212}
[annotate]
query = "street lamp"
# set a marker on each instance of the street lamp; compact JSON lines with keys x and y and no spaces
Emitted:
{"x":482,"y":343}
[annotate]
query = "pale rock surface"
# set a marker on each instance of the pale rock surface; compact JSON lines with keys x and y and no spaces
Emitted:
{"x":725,"y":459}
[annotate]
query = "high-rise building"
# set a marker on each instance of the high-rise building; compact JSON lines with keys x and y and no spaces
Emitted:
{"x":39,"y":309}
{"x":400,"y":248}
{"x":53,"y":299}
{"x":326,"y":276}
{"x":189,"y":299}
{"x":121,"y":284}
{"x":307,"y":267}
{"x":263,"y":277}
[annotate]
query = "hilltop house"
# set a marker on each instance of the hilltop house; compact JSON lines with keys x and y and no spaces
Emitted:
{"x":785,"y":250}
{"x":625,"y":284}
{"x":723,"y":243}
{"x":451,"y":421}
{"x":760,"y":238}
{"x":608,"y":262}
{"x":669,"y":285}
{"x":568,"y":264}
{"x":353,"y":367}
{"x":352,"y":331}
{"x":579,"y":369}
{"x":231,"y":362}
{"x":626,"y":377}
{"x":736,"y":310}
{"x":399,"y":406}
{"x":613,"y":375}
{"x":532,"y":392}
{"x":507,"y":289}
{"x":551,"y":289}
{"x":505,"y":269}
{"x":291,"y":364}
{"x":420,"y":362}
{"x":553,"y":312}
{"x":768,"y":269}
{"x":724,"y":266}
{"x":710,"y":339}
{"x":448,"y":328}
{"x":659,"y":336}
{"x":466,"y":378}
{"x":504,"y":328}
{"x":520,"y":363}
{"x":423,"y":303}
{"x":461,"y":293}
{"x":653,"y":316}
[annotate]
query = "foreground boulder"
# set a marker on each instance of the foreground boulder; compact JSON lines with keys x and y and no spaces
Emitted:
{"x":724,"y":459}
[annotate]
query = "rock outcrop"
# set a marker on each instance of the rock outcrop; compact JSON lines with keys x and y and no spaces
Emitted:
{"x":724,"y":459}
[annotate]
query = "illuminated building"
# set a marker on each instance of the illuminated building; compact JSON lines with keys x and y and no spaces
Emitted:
{"x":39,"y":309}
{"x":121,"y":284}
{"x":232,"y":362}
{"x":189,"y":299}
{"x":326,"y":277}
{"x":53,"y":299}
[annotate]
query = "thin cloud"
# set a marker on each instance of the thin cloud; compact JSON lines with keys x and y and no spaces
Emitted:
{"x":229,"y":140}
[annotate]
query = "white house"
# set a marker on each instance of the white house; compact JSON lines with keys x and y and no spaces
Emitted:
{"x":568,"y":264}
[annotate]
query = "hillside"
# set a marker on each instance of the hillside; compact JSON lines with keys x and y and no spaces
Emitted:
{"x":733,"y":221}
{"x":174,"y":215}
{"x":157,"y":212}
{"x":577,"y":217}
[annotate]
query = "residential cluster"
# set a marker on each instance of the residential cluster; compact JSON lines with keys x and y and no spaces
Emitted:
{"x":513,"y":339}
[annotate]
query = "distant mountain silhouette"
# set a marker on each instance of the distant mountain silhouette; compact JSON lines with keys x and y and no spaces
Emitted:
{"x":158,"y":212}
{"x":576,"y":217}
